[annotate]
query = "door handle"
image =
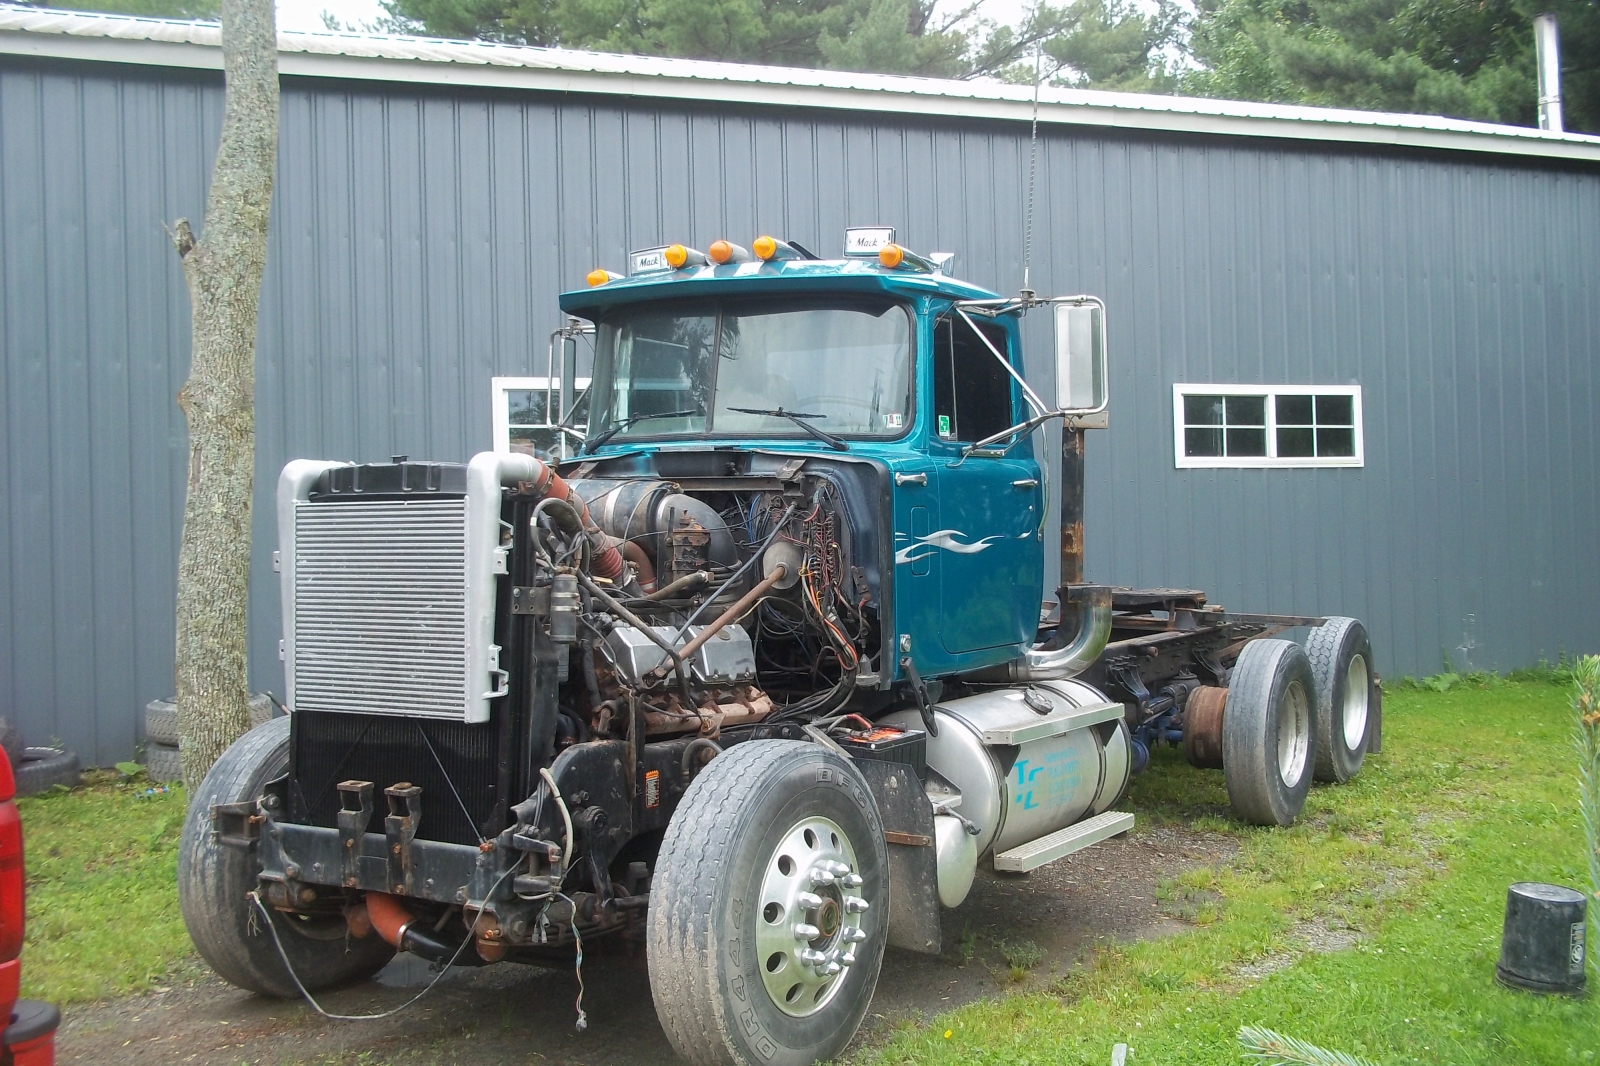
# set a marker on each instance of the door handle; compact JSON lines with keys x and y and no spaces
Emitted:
{"x":1025,"y":483}
{"x":910,"y":479}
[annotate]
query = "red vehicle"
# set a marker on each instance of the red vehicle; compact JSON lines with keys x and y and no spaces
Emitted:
{"x":30,"y":1032}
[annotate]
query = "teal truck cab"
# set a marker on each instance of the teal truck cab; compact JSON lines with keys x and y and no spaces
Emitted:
{"x":756,"y":669}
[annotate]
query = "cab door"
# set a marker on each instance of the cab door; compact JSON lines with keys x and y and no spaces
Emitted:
{"x":991,"y":558}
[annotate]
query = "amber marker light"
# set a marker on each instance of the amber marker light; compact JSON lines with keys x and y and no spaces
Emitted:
{"x":727,"y":252}
{"x":765,"y":247}
{"x":677,"y":255}
{"x":599,"y":277}
{"x":891,"y":255}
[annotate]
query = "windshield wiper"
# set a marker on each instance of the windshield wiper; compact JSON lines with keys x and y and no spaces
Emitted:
{"x":623,"y":423}
{"x":799,"y":419}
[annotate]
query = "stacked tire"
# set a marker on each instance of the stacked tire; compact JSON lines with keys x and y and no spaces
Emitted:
{"x":37,"y":769}
{"x":161,"y":734}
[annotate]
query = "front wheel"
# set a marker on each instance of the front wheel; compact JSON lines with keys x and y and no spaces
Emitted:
{"x":769,"y":908}
{"x":214,"y":882}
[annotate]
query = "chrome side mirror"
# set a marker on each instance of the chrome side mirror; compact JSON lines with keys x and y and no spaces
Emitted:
{"x":1081,"y":377}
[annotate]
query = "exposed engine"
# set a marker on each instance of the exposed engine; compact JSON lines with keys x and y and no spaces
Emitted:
{"x":735,"y":608}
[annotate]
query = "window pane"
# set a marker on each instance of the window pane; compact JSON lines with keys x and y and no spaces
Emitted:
{"x":1336,"y":442}
{"x":1247,"y":411}
{"x":1294,"y":411}
{"x":1336,"y":411}
{"x":526,"y":407}
{"x":1295,"y":443}
{"x":1247,"y":441}
{"x":1202,"y":411}
{"x":543,"y":443}
{"x":1202,"y":442}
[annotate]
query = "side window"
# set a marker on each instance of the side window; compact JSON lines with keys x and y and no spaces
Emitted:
{"x":971,"y":390}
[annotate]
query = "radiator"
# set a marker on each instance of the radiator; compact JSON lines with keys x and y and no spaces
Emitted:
{"x":379,"y":619}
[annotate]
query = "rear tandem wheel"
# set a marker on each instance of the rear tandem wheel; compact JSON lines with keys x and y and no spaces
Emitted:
{"x":1269,"y":732}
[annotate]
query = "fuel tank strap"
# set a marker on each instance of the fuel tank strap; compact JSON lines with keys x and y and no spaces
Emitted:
{"x":1052,"y":725}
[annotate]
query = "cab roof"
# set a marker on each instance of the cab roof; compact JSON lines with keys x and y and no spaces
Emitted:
{"x":855,"y":275}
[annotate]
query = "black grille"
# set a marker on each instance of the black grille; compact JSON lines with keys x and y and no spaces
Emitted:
{"x":331,"y":747}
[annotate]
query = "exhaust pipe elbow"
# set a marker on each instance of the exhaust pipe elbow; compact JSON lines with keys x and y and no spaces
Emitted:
{"x":1056,"y":661}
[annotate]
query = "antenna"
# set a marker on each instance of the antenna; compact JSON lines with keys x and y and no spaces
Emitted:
{"x":1033,"y":166}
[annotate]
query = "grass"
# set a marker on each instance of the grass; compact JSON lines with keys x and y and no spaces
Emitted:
{"x":1476,"y":789}
{"x":102,"y":907}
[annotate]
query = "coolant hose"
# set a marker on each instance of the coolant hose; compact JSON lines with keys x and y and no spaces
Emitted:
{"x":398,"y":926}
{"x":641,"y":562}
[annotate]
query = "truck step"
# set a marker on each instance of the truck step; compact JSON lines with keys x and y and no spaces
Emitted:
{"x":1052,"y":846}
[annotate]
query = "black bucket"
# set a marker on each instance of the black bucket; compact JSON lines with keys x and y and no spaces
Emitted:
{"x":1542,"y":949}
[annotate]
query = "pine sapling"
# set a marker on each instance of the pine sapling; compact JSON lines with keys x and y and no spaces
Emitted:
{"x":1276,"y":1049}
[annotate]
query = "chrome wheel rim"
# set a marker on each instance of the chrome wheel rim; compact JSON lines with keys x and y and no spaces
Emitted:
{"x":1357,"y":691}
{"x":808,"y":927}
{"x":1294,"y":734}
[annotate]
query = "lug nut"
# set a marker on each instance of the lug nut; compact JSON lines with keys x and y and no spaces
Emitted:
{"x":808,"y":900}
{"x":851,"y":881}
{"x":855,"y":935}
{"x":855,"y":904}
{"x":806,"y":932}
{"x":810,"y":955}
{"x":820,"y":877}
{"x":848,"y":958}
{"x":832,"y":969}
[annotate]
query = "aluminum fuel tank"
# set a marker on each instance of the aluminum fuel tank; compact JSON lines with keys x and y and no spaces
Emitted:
{"x":1029,"y":759}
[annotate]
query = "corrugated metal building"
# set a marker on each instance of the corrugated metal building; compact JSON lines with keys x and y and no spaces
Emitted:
{"x":434,"y":197}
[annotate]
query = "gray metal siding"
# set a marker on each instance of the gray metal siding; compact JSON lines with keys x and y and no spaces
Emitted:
{"x":420,"y":237}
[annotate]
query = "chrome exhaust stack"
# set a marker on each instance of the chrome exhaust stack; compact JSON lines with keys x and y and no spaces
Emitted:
{"x":1059,"y":659}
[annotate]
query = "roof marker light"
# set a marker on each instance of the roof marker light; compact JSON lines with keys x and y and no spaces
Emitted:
{"x":600,"y":277}
{"x":770,"y":249}
{"x":728,"y":252}
{"x":679,"y":257}
{"x":897,"y":258}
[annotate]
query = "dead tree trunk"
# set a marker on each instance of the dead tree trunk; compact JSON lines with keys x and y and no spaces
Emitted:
{"x":223,"y":269}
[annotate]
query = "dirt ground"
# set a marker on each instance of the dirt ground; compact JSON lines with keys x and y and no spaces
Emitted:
{"x":518,"y":1014}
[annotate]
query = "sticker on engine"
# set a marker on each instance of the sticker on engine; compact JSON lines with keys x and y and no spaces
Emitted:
{"x":652,"y":788}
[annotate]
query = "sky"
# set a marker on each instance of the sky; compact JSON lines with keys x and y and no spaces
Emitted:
{"x":306,"y":15}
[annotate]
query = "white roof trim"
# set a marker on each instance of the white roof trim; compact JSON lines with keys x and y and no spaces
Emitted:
{"x":372,"y":57}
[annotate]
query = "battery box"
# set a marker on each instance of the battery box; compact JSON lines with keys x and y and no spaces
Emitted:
{"x":889,"y":743}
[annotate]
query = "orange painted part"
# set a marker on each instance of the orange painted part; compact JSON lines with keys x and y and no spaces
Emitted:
{"x":389,"y":916}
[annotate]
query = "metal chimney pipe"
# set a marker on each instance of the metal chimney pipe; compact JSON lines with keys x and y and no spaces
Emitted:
{"x":1547,"y":49}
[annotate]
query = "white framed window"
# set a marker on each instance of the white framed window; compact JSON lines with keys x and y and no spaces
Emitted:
{"x":1266,"y":425}
{"x":524,"y":420}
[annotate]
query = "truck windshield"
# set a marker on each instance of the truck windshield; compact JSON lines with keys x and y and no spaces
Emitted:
{"x":665,"y":370}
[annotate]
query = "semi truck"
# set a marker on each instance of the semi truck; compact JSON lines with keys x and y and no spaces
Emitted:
{"x":758,"y":675}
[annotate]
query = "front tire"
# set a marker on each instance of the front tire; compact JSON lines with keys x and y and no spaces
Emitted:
{"x":214,"y":882}
{"x":1269,"y":732}
{"x":1347,"y":686}
{"x":760,"y":948}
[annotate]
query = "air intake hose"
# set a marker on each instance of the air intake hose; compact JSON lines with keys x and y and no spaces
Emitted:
{"x":607,"y":561}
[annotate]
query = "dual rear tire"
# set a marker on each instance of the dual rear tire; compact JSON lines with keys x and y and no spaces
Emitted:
{"x":1294,"y":714}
